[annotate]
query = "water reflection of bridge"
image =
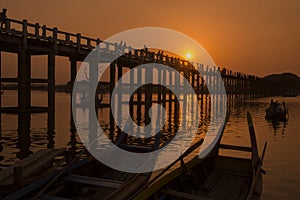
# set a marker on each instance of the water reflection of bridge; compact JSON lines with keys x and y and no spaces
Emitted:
{"x":27,"y":40}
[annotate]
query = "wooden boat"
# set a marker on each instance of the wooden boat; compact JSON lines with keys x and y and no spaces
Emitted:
{"x":84,"y":179}
{"x":212,"y":177}
{"x":275,"y":113}
{"x":29,"y":170}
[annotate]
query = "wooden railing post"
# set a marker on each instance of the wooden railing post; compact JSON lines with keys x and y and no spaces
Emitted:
{"x":116,"y":50}
{"x":67,"y":38}
{"x":55,"y":39}
{"x":7,"y":25}
{"x":88,"y":42}
{"x":44,"y":34}
{"x":37,"y":30}
{"x":24,"y":33}
{"x":78,"y":42}
{"x":98,"y":41}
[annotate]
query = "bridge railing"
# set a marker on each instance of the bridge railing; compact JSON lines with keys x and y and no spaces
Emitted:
{"x":42,"y":32}
{"x":26,"y":30}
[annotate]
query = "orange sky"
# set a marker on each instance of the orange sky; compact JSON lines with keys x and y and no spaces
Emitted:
{"x":257,"y":37}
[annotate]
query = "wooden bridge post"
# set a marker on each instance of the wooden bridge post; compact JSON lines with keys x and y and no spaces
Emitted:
{"x":44,"y":32}
{"x":193,"y":80}
{"x":197,"y":94}
{"x":25,"y":33}
{"x":112,"y":71}
{"x":178,"y":85}
{"x":93,"y":78}
{"x":51,"y":127}
{"x":198,"y":84}
{"x":213,"y":76}
{"x":7,"y":25}
{"x":73,"y":70}
{"x":210,"y":78}
{"x":51,"y":81}
{"x":164,"y":88}
{"x":112,"y":80}
{"x":78,"y":42}
{"x":170,"y":86}
{"x":159,"y":86}
{"x":192,"y":96}
{"x":55,"y":39}
{"x":202,"y":80}
{"x":120,"y":94}
{"x":139,"y":96}
{"x":139,"y":80}
{"x":207,"y":79}
{"x":131,"y":89}
{"x":148,"y":93}
{"x":23,"y":134}
{"x":217,"y":75}
{"x":0,"y":85}
{"x":231,"y":84}
{"x":37,"y":30}
{"x":51,"y":99}
{"x":24,"y":73}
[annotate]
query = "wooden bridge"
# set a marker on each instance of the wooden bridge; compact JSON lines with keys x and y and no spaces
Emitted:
{"x":29,"y":39}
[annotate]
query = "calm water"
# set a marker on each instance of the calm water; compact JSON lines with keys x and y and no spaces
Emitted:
{"x":281,"y":162}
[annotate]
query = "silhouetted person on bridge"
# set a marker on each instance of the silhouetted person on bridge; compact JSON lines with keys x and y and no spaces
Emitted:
{"x":3,"y":17}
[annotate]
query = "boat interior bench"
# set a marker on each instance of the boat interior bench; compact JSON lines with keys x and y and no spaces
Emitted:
{"x":93,"y":181}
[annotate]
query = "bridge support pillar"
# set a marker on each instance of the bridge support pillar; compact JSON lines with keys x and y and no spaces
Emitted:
{"x":0,"y":93}
{"x":51,"y":99}
{"x":164,"y":88}
{"x":198,"y":85}
{"x":73,"y":69}
{"x":24,"y":74}
{"x":178,"y":85}
{"x":51,"y":82}
{"x":24,"y":134}
{"x":73,"y":73}
{"x":148,"y":93}
{"x":159,"y":86}
{"x":120,"y":93}
{"x":112,"y":72}
{"x":170,"y":86}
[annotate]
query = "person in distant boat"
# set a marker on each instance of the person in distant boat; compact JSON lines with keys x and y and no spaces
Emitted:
{"x":272,"y":104}
{"x":278,"y":108}
{"x":3,"y":17}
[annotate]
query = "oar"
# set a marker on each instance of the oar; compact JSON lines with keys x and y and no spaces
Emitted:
{"x":187,"y":152}
{"x":262,"y":158}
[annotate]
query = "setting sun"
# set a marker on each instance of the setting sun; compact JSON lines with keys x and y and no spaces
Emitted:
{"x":188,"y":56}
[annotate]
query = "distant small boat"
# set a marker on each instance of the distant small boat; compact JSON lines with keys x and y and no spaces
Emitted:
{"x":276,"y":112}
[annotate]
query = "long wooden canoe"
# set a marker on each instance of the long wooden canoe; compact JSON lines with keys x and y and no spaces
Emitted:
{"x":29,"y":170}
{"x":213,"y":177}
